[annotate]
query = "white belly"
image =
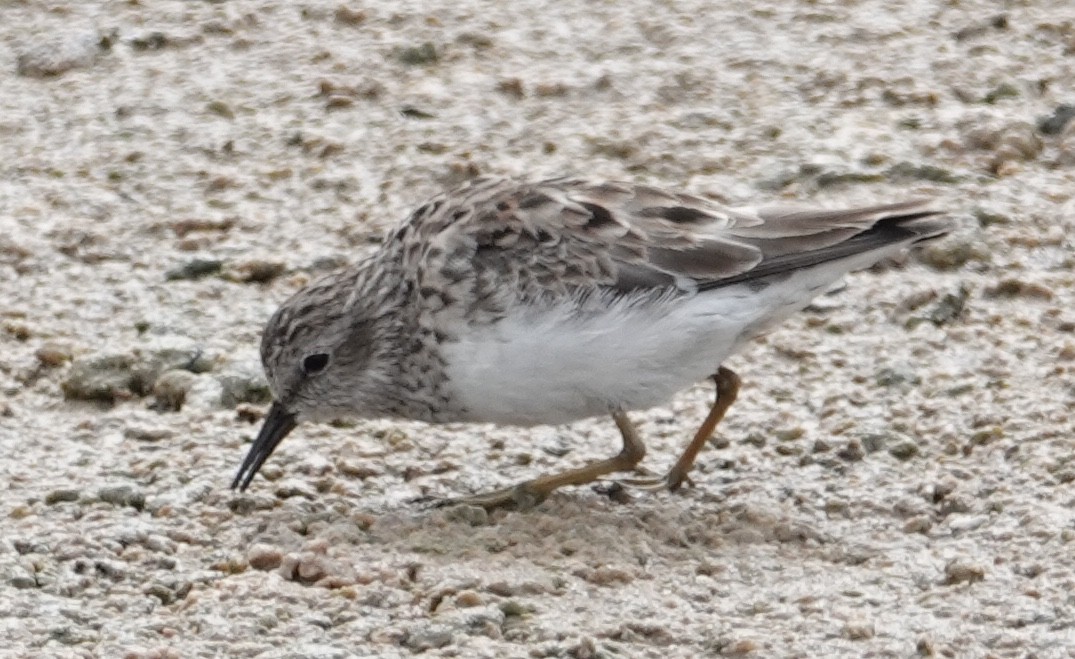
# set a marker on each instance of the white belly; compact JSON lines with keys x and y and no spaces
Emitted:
{"x":556,"y":367}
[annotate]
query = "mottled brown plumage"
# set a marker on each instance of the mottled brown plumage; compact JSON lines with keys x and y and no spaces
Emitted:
{"x":544,"y":302}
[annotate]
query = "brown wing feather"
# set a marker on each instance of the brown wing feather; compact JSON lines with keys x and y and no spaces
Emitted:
{"x":571,"y":234}
{"x":687,"y":237}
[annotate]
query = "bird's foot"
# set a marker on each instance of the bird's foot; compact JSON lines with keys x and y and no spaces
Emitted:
{"x":672,"y":481}
{"x":523,"y":496}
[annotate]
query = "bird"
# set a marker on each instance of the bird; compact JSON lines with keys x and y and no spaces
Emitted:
{"x":520,"y":302}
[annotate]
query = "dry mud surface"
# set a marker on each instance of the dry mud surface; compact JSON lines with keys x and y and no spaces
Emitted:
{"x":895,"y":480}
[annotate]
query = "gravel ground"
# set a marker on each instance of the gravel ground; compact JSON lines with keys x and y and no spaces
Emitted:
{"x":895,"y":480}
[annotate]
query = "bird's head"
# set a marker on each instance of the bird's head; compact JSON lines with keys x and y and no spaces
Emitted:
{"x":318,"y":351}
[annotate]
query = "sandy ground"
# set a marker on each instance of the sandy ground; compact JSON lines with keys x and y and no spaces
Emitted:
{"x":895,"y":480}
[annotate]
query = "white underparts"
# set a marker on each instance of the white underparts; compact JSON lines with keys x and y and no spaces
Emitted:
{"x":554,"y":365}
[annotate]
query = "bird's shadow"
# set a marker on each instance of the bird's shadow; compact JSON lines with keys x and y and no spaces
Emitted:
{"x":572,"y":524}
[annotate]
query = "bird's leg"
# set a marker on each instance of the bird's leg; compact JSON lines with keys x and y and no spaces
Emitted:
{"x":727,"y":389}
{"x":532,"y":492}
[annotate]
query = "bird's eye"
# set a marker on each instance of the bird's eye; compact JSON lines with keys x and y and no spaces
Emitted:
{"x":314,"y":364}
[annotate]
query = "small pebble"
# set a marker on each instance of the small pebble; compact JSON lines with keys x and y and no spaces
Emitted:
{"x":740,"y":647}
{"x":165,"y":594}
{"x":953,"y":253}
{"x":468,"y":598}
{"x":873,"y":442}
{"x":950,"y":307}
{"x":171,"y":388}
{"x":115,"y":570}
{"x":958,"y":524}
{"x":104,"y":377}
{"x":115,"y":376}
{"x":315,"y":568}
{"x":356,"y":469}
{"x":502,"y":589}
{"x":904,"y":450}
{"x":148,"y":433}
{"x":200,"y":225}
{"x":255,"y":271}
{"x":426,"y":636}
{"x":58,"y":496}
{"x":471,"y":515}
{"x":71,"y":636}
{"x":891,"y":377}
{"x":242,"y":380}
{"x":60,"y":53}
{"x":584,"y":649}
{"x":347,"y":16}
{"x":606,"y":575}
{"x":852,"y":451}
{"x":420,"y":55}
{"x":512,"y":87}
{"x":838,"y":507}
{"x":1007,"y":143}
{"x":195,"y":269}
{"x":1055,"y":123}
{"x":957,"y":572}
{"x":1012,"y":287}
{"x":918,"y":524}
{"x":154,"y":40}
{"x":220,"y":109}
{"x":53,"y":354}
{"x":789,"y":434}
{"x":264,"y":557}
{"x":123,"y":495}
{"x":939,"y":491}
{"x":512,"y":608}
{"x":859,"y":630}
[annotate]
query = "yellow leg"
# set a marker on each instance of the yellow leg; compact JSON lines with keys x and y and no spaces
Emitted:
{"x":532,"y":492}
{"x":727,"y":389}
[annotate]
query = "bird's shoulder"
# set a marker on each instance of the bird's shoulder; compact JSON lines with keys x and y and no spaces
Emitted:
{"x":563,"y":235}
{"x":574,"y":232}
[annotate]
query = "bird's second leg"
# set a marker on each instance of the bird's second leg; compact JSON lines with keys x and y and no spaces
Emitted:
{"x":727,"y":389}
{"x":532,"y":492}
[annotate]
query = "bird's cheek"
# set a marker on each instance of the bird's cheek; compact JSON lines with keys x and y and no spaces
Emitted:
{"x":312,"y":411}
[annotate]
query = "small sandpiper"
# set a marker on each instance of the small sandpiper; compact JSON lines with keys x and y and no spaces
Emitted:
{"x":546,"y":302}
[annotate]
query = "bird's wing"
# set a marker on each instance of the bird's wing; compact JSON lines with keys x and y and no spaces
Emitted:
{"x":567,"y":235}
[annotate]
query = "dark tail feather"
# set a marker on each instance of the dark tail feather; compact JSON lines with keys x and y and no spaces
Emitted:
{"x":849,"y":233}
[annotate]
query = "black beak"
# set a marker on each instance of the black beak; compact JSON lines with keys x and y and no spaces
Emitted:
{"x":277,"y":425}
